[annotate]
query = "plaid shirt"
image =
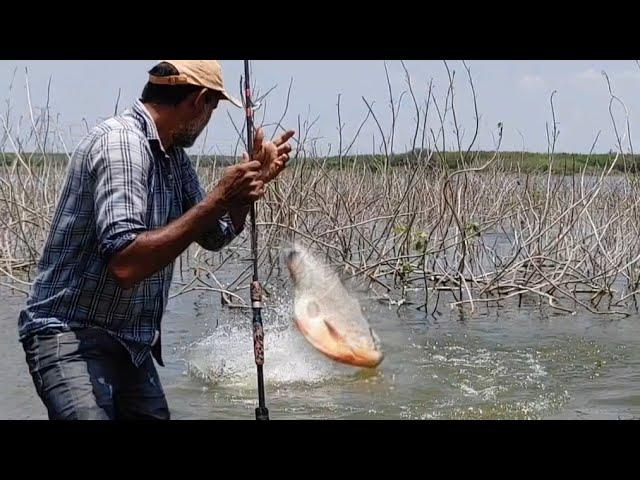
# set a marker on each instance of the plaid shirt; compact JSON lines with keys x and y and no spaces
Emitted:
{"x":120,"y":183}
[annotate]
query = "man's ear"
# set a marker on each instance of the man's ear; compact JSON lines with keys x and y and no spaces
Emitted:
{"x":200,"y":98}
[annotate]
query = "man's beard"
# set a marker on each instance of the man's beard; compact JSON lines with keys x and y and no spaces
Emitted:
{"x":187,"y":137}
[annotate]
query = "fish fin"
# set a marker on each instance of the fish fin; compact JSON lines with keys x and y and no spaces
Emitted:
{"x":333,"y":332}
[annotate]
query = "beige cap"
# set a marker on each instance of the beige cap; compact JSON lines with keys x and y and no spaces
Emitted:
{"x":203,"y":73}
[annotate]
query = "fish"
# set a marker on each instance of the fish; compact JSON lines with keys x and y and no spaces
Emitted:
{"x":328,"y":317}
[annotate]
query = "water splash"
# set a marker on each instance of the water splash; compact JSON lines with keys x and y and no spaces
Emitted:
{"x":225,"y":358}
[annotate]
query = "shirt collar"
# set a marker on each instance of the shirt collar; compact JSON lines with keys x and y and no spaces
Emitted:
{"x":148,"y":125}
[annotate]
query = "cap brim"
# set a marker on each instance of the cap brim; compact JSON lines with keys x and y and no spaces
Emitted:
{"x":232,"y":99}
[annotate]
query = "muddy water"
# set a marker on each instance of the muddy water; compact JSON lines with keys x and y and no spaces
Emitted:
{"x":507,"y":364}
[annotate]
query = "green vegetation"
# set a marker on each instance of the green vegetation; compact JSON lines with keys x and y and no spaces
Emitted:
{"x":525,"y":162}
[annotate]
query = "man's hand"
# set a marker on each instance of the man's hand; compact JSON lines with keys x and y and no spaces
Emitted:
{"x":240,"y":185}
{"x":271,"y":159}
{"x":273,"y":156}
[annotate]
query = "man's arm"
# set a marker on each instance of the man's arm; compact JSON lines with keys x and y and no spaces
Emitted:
{"x":238,"y":216}
{"x":119,"y":171}
{"x":153,"y":250}
{"x":226,"y":228}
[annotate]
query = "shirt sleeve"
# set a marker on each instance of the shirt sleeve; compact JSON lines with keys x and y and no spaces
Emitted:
{"x":119,"y":168}
{"x":222,"y":232}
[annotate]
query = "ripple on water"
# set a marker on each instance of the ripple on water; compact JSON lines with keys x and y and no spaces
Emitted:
{"x":483,"y":383}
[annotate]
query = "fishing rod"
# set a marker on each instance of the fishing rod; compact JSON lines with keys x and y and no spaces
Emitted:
{"x":262,"y":413}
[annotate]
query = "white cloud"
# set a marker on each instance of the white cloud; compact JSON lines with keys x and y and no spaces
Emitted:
{"x":588,"y":78}
{"x":594,"y":80}
{"x":589,"y":75}
{"x":531,"y":82}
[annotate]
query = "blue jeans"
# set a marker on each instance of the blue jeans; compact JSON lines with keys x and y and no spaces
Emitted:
{"x":87,"y":374}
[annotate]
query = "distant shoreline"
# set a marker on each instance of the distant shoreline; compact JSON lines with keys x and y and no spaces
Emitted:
{"x":511,"y":161}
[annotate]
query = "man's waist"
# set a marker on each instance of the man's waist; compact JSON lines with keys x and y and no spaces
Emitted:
{"x":148,"y":335}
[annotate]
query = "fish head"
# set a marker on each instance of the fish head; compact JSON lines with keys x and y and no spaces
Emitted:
{"x":304,"y":271}
{"x":293,"y":261}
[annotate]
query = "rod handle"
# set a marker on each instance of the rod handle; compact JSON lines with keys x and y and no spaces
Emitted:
{"x":262,"y":413}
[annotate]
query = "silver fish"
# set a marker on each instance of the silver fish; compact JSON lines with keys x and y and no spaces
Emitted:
{"x":327,"y":315}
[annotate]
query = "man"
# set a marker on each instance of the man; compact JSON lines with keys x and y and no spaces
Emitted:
{"x":131,"y":204}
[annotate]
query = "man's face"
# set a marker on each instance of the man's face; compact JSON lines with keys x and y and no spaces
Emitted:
{"x":191,"y":129}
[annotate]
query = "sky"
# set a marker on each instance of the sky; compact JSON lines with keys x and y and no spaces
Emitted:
{"x":513,"y":93}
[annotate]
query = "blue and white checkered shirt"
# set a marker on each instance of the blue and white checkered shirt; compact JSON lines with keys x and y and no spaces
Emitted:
{"x":120,"y":183}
